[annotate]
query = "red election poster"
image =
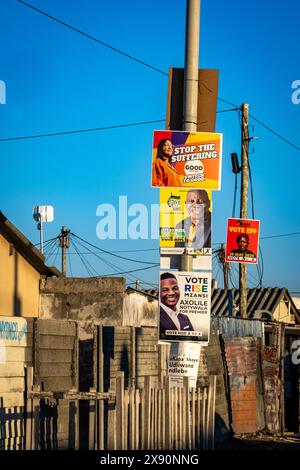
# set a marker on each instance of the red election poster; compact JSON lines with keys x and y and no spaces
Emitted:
{"x":242,"y":241}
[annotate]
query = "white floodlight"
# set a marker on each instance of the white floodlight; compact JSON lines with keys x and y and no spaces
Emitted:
{"x":42,"y":214}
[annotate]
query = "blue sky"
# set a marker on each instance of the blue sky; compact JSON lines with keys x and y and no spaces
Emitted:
{"x":58,"y":80}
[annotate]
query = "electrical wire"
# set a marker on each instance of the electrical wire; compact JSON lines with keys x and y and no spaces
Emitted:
{"x":55,"y":255}
{"x":46,"y":241}
{"x":82,"y":260}
{"x":113,"y":254}
{"x":88,"y":263}
{"x":49,"y":248}
{"x":275,"y":133}
{"x":282,"y":235}
{"x":114,"y":266}
{"x":271,"y":236}
{"x":93,"y":38}
{"x":156,"y":69}
{"x":51,"y":134}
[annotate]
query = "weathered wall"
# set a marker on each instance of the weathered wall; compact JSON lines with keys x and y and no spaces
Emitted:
{"x":15,"y":354}
{"x":139,"y":309}
{"x":244,"y":380}
{"x":85,"y":300}
{"x":19,"y":283}
{"x":133,"y":351}
{"x":50,"y":348}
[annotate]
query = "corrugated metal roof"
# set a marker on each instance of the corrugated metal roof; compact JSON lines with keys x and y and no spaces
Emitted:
{"x":226,"y":303}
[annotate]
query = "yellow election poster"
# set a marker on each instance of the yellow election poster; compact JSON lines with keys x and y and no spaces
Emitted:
{"x":185,"y":221}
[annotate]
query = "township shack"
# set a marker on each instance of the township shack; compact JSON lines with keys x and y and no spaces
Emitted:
{"x":77,"y":355}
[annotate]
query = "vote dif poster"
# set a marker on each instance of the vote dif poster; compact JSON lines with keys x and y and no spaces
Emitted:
{"x":184,"y":313}
{"x":185,"y":221}
{"x":242,"y":241}
{"x":187,"y":159}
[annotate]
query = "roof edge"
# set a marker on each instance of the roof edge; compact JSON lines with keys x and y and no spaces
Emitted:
{"x":25,"y":247}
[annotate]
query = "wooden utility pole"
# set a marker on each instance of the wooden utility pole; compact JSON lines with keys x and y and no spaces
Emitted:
{"x":64,"y":243}
{"x":221,"y":255}
{"x":244,"y":204}
{"x":190,"y":86}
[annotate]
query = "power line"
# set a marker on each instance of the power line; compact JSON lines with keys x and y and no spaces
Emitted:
{"x":93,"y":129}
{"x":111,"y":253}
{"x":93,"y":38}
{"x":46,"y":241}
{"x":272,"y":236}
{"x":114,"y":266}
{"x":82,"y":260}
{"x":79,"y":131}
{"x":140,"y":62}
{"x":282,"y":235}
{"x":275,"y":133}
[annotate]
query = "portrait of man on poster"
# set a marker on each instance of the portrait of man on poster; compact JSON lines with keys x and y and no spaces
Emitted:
{"x":170,"y":316}
{"x":197,"y":226}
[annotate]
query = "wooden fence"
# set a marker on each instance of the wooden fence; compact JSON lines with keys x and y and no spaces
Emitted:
{"x":148,"y":419}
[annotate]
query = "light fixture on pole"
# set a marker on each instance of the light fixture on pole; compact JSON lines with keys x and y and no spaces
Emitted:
{"x":42,"y":214}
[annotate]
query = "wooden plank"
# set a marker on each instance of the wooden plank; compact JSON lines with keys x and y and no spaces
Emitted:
{"x":168,"y":412}
{"x":204,"y":418}
{"x":132,"y":355}
{"x":163,"y":423}
{"x":154,"y":418}
{"x":159,"y":419}
{"x":56,"y":342}
{"x":184,"y":414}
{"x":120,"y":424}
{"x":147,"y":422}
{"x":92,"y":422}
{"x":213,"y":409}
{"x":35,"y":422}
{"x":175,"y":413}
{"x":12,"y":369}
{"x":142,"y":421}
{"x":55,"y":370}
{"x":198,"y":411}
{"x":180,"y":411}
{"x":62,"y":356}
{"x":125,"y":434}
{"x":57,"y":327}
{"x":100,"y":385}
{"x":137,"y":419}
{"x":193,"y":417}
{"x":186,"y":400}
{"x":77,"y":425}
{"x":132,"y":418}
